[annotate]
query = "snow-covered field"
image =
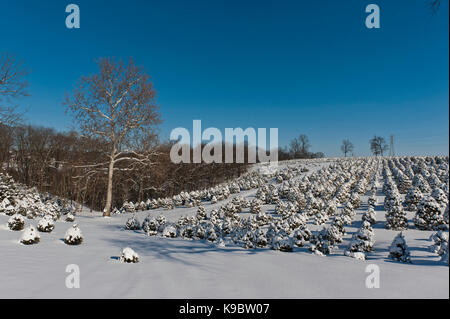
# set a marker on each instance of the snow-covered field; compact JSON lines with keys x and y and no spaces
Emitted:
{"x":180,"y":268}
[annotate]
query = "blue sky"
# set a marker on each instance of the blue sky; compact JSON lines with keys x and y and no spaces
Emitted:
{"x":308,"y":67}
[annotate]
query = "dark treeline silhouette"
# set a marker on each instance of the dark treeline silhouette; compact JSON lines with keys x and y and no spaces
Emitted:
{"x":59,"y":163}
{"x":298,"y":148}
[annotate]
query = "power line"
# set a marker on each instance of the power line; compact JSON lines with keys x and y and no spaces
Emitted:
{"x":391,"y":147}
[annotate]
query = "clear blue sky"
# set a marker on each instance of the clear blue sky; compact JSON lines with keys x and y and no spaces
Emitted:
{"x":307,"y":67}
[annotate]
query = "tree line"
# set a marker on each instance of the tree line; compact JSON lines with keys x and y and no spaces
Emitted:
{"x":298,"y":148}
{"x":67,"y":164}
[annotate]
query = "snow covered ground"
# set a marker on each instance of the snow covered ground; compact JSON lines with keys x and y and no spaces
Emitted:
{"x":178,"y":268}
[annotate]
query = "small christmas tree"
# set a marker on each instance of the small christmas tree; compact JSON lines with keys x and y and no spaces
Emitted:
{"x":440,"y":244}
{"x":169,"y":231}
{"x":372,"y":200}
{"x":412,"y":198}
{"x":321,"y":218}
{"x":70,"y":218}
{"x":16,"y":222}
{"x":261,"y":239}
{"x":362,"y":241}
{"x":30,"y":236}
{"x":128,"y":207}
{"x":331,"y":208}
{"x":129,"y":256}
{"x":150,"y":226}
{"x":132,"y":223}
{"x":405,"y":184}
{"x":428,"y":215}
{"x":322,"y":243}
{"x":73,"y":236}
{"x":199,"y":232}
{"x":396,"y":218}
{"x":201,"y":213}
{"x":282,"y":242}
{"x":301,"y":236}
{"x":161,"y":220}
{"x":335,"y":234}
{"x":247,"y":239}
{"x":370,"y":216}
{"x":399,"y":249}
{"x":46,"y":224}
{"x":355,"y":200}
{"x":440,"y":197}
{"x":421,"y":183}
{"x":255,"y":206}
{"x":211,"y":234}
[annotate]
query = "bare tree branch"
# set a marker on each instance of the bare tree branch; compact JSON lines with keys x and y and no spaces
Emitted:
{"x":12,"y":86}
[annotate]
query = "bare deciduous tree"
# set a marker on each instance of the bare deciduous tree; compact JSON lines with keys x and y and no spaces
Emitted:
{"x":346,"y":147}
{"x":116,"y":106}
{"x":304,"y":144}
{"x":12,"y":86}
{"x":378,"y":145}
{"x":434,"y":5}
{"x":299,"y":147}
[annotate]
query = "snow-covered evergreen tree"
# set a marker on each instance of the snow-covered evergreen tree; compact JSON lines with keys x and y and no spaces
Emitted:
{"x":282,"y":242}
{"x":362,"y":241}
{"x":335,"y":234}
{"x":150,"y":226}
{"x":132,"y":223}
{"x":429,"y":215}
{"x":322,"y":243}
{"x":46,"y":224}
{"x":331,"y":207}
{"x":30,"y":236}
{"x":16,"y":222}
{"x":169,"y":231}
{"x":162,"y":221}
{"x":412,"y":198}
{"x":260,"y":238}
{"x":440,"y":244}
{"x":255,"y":206}
{"x":199,"y":232}
{"x":355,"y":200}
{"x":128,"y":255}
{"x":372,"y":200}
{"x":201,"y":213}
{"x":73,"y":236}
{"x":392,"y":199}
{"x":321,"y":217}
{"x":128,"y":207}
{"x":396,"y":218}
{"x":370,"y":216}
{"x":440,"y":197}
{"x":301,"y":236}
{"x":404,"y":184}
{"x":211,"y":234}
{"x":399,"y":249}
{"x":421,"y":183}
{"x":70,"y":218}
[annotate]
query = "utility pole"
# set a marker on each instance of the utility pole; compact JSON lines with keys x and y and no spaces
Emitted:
{"x":391,"y":147}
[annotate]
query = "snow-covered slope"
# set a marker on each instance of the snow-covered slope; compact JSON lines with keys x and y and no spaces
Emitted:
{"x":179,"y":268}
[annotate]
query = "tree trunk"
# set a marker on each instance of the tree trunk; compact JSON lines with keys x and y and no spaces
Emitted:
{"x":107,"y":211}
